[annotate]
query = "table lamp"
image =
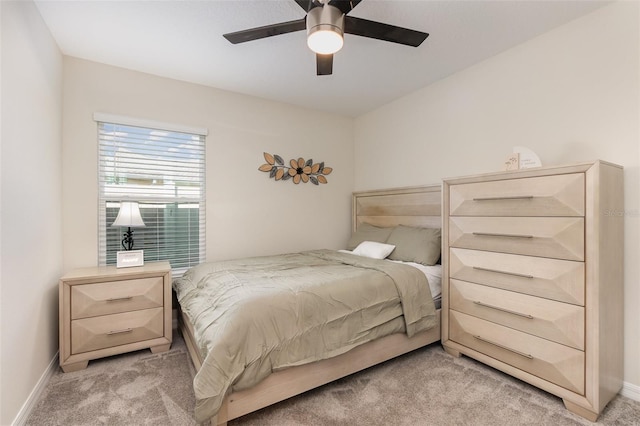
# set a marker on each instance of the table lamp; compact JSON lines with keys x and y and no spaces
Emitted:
{"x":129,"y":216}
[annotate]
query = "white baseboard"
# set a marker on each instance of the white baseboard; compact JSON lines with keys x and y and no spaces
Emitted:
{"x":34,"y":397}
{"x":630,"y":391}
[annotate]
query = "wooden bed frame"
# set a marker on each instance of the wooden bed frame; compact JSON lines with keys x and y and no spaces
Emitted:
{"x":415,"y":206}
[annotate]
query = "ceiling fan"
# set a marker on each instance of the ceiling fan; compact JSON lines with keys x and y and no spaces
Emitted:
{"x":326,"y":22}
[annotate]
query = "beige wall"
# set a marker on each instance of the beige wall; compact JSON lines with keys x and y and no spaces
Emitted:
{"x":247,"y":213}
{"x":30,"y":199}
{"x":569,"y":95}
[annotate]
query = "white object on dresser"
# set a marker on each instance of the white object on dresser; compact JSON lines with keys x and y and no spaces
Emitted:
{"x":526,"y":158}
{"x":107,"y":310}
{"x":129,"y":258}
{"x":533,"y":278}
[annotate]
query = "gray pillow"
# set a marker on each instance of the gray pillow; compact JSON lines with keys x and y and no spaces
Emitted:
{"x":367,"y":232}
{"x":420,"y":245}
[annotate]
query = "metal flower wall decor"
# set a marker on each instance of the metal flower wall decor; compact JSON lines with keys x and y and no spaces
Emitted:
{"x":298,"y":170}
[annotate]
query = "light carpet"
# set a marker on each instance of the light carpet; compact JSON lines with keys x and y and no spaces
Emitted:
{"x":425,"y":387}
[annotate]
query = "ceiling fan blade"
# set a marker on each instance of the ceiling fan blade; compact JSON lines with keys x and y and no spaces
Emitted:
{"x":266,"y":31}
{"x":324,"y":64}
{"x":345,"y":6}
{"x":307,"y":5}
{"x":380,"y":31}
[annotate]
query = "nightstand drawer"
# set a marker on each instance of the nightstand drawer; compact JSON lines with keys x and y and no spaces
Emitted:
{"x":559,"y":195}
{"x":561,"y":280}
{"x":550,"y":361}
{"x":553,"y":237}
{"x":95,"y":333}
{"x":112,"y":297}
{"x":556,"y":321}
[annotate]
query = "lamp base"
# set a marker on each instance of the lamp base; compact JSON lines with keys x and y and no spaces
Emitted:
{"x":126,"y":259}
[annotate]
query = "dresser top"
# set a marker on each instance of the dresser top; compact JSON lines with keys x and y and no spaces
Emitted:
{"x":111,"y":270}
{"x":531,"y":172}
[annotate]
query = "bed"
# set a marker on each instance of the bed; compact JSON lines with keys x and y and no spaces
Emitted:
{"x":381,"y":330}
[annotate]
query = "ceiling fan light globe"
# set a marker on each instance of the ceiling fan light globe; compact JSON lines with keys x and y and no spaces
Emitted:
{"x":325,"y":29}
{"x":325,"y":42}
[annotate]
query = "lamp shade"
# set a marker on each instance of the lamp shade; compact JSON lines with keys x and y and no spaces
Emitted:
{"x":129,"y":215}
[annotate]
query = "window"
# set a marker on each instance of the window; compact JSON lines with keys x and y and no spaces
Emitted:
{"x":161,"y":167}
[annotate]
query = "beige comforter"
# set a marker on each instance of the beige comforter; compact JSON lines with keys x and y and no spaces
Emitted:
{"x":254,"y":316}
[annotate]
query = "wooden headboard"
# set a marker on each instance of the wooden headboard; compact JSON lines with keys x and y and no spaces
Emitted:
{"x":413,"y":206}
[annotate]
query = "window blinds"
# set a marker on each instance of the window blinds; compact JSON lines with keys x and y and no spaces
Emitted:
{"x":164,"y":171}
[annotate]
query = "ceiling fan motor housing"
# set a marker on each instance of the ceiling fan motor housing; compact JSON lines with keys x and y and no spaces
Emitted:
{"x":325,"y":19}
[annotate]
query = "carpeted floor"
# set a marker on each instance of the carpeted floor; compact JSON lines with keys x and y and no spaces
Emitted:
{"x":425,"y":387}
{"x":137,"y":388}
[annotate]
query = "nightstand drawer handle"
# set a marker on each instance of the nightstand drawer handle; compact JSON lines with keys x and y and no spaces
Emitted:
{"x":126,"y":330}
{"x":504,"y":347}
{"x":497,"y":308}
{"x":491,"y":234}
{"x":515,"y":274}
{"x":118,"y":299}
{"x":515,"y":197}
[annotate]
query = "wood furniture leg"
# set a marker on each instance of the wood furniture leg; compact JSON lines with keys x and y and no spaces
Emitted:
{"x":580,"y":411}
{"x":160,"y":348}
{"x":76,"y":366}
{"x":451,"y":352}
{"x":223,"y":414}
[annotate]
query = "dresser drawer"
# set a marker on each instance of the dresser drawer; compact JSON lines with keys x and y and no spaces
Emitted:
{"x":95,"y":333}
{"x":553,"y":237}
{"x":559,"y":195}
{"x":561,"y":280}
{"x":112,"y":297}
{"x":550,"y":361}
{"x":556,"y":321}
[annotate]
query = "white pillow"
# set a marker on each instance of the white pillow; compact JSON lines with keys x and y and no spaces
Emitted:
{"x":373,"y":249}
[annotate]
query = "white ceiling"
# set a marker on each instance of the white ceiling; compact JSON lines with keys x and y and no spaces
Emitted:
{"x":183,"y":40}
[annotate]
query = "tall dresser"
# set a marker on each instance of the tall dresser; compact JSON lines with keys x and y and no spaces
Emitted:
{"x":533,"y":277}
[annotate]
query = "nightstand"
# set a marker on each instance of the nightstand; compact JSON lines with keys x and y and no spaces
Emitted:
{"x":106,"y":311}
